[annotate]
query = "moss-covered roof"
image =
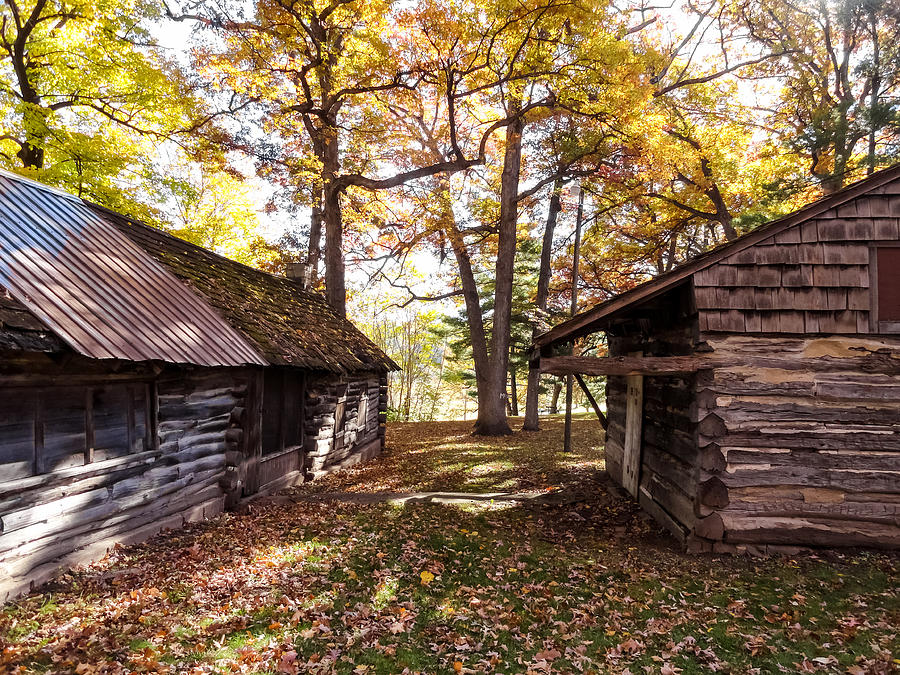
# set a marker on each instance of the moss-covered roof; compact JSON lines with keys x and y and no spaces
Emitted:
{"x":287,"y":324}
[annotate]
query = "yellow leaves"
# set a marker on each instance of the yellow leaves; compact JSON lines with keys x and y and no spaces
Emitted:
{"x":425,"y":577}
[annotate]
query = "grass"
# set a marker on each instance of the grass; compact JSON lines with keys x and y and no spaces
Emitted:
{"x":325,"y":587}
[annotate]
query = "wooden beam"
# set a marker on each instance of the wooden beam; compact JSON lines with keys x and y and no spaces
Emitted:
{"x":590,"y":397}
{"x":620,"y":365}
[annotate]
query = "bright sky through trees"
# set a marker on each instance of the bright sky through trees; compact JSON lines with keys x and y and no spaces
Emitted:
{"x":422,"y":153}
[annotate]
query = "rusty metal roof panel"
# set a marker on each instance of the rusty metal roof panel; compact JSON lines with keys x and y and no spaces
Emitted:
{"x":98,"y":291}
{"x":287,"y":324}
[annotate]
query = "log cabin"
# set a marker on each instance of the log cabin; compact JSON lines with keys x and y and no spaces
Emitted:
{"x":753,"y":393}
{"x":146,"y":382}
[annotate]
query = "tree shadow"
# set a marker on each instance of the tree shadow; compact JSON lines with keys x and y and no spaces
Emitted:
{"x":444,"y":456}
{"x":215,"y":587}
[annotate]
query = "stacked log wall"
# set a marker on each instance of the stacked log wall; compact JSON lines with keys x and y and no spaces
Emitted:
{"x":802,"y":437}
{"x":73,"y":515}
{"x":668,"y":472}
{"x":344,"y":421}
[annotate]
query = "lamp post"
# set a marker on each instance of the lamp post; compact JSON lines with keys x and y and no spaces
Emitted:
{"x":567,"y":434}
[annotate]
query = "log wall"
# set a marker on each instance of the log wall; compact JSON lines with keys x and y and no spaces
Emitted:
{"x":344,"y":421}
{"x":803,"y":448}
{"x":667,"y":476}
{"x":70,"y":514}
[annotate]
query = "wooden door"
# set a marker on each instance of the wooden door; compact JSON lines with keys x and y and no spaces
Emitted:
{"x":634,"y":413}
{"x":280,"y":454}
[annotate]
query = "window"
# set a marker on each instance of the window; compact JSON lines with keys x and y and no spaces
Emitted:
{"x":887,"y":288}
{"x":51,"y":428}
{"x":282,"y":410}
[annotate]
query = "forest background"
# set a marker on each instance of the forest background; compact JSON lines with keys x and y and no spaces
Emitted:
{"x":431,"y":160}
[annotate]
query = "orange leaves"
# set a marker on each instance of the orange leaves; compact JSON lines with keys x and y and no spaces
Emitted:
{"x":272,"y":591}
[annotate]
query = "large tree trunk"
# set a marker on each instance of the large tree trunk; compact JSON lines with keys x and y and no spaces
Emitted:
{"x":334,"y":225}
{"x":31,"y":150}
{"x":532,"y":393}
{"x":492,"y":419}
{"x":554,"y":400}
{"x":474,"y":316}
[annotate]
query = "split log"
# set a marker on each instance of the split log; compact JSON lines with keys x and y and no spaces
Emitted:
{"x":713,"y":493}
{"x":746,"y":475}
{"x":620,"y":365}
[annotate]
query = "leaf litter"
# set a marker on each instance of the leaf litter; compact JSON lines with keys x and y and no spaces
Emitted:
{"x":581,"y":582}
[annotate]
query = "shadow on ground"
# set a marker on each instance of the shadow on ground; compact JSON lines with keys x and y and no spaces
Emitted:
{"x":445,"y":456}
{"x":573,"y":579}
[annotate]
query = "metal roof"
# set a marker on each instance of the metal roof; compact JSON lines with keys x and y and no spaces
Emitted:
{"x":98,"y":291}
{"x":287,"y":324}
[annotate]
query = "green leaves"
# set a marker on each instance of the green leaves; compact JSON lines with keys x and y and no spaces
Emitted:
{"x":87,"y":97}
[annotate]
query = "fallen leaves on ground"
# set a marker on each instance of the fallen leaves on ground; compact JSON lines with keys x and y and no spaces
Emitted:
{"x":582,"y":585}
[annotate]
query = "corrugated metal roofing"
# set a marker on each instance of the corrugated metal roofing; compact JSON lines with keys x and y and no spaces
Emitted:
{"x":287,"y":324}
{"x":98,"y":291}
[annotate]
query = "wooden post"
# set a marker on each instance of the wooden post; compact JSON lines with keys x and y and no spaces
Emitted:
{"x":634,"y":413}
{"x":567,"y":432}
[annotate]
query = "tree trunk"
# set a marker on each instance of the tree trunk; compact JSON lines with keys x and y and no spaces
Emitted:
{"x":474,"y":316}
{"x":334,"y":225}
{"x":315,"y":238}
{"x":554,"y":401}
{"x":513,"y":393}
{"x":532,"y":393}
{"x":31,"y":151}
{"x":492,"y":418}
{"x":407,"y":409}
{"x":875,"y":85}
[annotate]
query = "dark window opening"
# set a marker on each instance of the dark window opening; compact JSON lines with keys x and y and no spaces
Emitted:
{"x":281,"y":410}
{"x":52,"y":428}
{"x":888,"y":288}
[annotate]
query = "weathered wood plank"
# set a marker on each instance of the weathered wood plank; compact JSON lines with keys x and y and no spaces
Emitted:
{"x":620,"y":365}
{"x":810,"y":531}
{"x":849,"y":480}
